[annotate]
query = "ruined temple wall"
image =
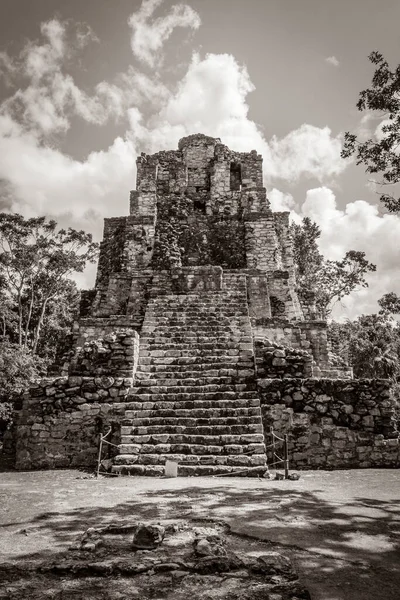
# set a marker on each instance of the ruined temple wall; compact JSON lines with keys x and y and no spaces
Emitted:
{"x":127,"y":245}
{"x":263,"y":251}
{"x":111,"y":249}
{"x":92,"y":328}
{"x":48,"y":437}
{"x":274,"y":361}
{"x":332,"y":423}
{"x":304,"y":335}
{"x":61,"y":418}
{"x":258,"y":296}
{"x":228,"y":181}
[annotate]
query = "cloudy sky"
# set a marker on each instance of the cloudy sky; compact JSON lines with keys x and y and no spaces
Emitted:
{"x":87,"y":85}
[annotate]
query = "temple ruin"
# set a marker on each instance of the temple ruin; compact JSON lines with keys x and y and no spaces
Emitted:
{"x":194,"y":342}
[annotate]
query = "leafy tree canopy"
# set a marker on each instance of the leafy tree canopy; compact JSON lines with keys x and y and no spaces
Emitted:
{"x":328,"y":280}
{"x":381,"y":154}
{"x":371,"y":344}
{"x":36,"y":261}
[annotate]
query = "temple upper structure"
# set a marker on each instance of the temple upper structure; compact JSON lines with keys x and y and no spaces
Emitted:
{"x":202,"y":205}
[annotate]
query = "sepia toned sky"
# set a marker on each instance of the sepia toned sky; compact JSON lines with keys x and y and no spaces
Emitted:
{"x":87,"y":85}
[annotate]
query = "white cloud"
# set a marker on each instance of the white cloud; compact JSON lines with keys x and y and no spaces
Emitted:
{"x":310,"y":151}
{"x":284,"y":202}
{"x":45,"y":181}
{"x":332,"y":60}
{"x":212,"y":97}
{"x":50,"y":96}
{"x":148,"y":36}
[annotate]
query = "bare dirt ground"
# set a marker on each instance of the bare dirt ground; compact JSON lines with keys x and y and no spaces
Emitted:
{"x":340,"y":529}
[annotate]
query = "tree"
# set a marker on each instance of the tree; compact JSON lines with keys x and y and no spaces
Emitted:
{"x":381,"y":154}
{"x":390,"y":304}
{"x":374,"y":347}
{"x":36,"y":261}
{"x":371,"y":343}
{"x":60,"y":314}
{"x":329,"y":280}
{"x":7,"y":313}
{"x":17,"y":369}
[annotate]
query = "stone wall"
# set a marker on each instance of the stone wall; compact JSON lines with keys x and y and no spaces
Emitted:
{"x":60,"y":419}
{"x":278,"y":362}
{"x":309,"y":336}
{"x":64,"y":431}
{"x":332,"y":423}
{"x":114,"y":354}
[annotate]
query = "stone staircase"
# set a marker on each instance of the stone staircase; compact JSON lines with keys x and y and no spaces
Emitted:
{"x":195,"y":398}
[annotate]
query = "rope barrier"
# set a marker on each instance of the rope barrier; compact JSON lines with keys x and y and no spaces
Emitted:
{"x":285,"y":459}
{"x":102,"y":441}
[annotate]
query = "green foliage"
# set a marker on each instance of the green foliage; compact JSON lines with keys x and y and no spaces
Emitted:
{"x":390,"y":304}
{"x":380,"y":155}
{"x":328,"y":280}
{"x":60,"y":314}
{"x":36,"y":261}
{"x":17,"y":369}
{"x":371,"y":344}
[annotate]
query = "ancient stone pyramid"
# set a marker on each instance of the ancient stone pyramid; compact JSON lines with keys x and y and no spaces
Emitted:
{"x":195,"y":300}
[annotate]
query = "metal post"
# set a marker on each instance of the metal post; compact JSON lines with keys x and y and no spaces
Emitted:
{"x":273,"y":444}
{"x":286,"y":456}
{"x":99,"y":456}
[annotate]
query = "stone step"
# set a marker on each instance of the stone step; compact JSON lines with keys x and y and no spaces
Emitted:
{"x":222,"y":305}
{"x":188,"y":386}
{"x":196,"y":352}
{"x":192,"y":440}
{"x":202,"y":321}
{"x":187,"y":341}
{"x":189,"y":450}
{"x":201,"y":404}
{"x":188,"y":376}
{"x":196,"y":318}
{"x":193,"y":413}
{"x":254,"y":460}
{"x":199,"y":430}
{"x":220,"y":298}
{"x":190,"y":421}
{"x":171,"y":379}
{"x":242,"y":357}
{"x":201,"y":324}
{"x":194,"y":396}
{"x":149,"y":380}
{"x":205,"y":370}
{"x":183,"y":470}
{"x":195,"y":329}
{"x":190,"y":330}
{"x":147,"y":387}
{"x":186,"y":302}
{"x":195,"y":349}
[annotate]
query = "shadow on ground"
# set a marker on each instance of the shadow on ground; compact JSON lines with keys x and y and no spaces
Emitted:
{"x":349,"y":547}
